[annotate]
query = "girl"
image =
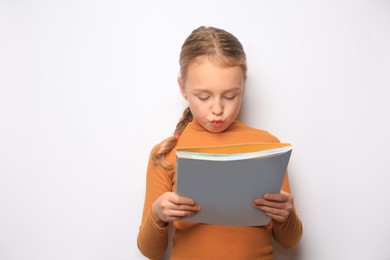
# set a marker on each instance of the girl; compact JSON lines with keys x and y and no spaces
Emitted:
{"x":212,"y":79}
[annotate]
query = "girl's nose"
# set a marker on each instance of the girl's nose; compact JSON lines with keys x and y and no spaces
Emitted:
{"x":217,"y":108}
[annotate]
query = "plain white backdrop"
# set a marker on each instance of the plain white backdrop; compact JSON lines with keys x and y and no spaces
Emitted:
{"x":88,"y":87}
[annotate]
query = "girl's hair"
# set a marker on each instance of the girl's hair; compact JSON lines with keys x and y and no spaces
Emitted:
{"x":222,"y":48}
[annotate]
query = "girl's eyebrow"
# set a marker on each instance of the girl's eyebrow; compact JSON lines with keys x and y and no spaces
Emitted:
{"x":205,"y":90}
{"x":235,"y":89}
{"x":200,"y":90}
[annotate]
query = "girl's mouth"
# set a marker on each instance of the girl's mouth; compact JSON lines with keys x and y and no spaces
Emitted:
{"x":216,"y":123}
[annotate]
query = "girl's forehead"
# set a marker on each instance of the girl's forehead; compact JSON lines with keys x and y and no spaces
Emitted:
{"x":208,"y":76}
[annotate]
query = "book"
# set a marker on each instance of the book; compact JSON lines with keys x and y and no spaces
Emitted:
{"x":224,"y":180}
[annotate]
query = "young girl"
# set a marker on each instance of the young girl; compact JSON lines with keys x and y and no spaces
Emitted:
{"x":212,"y":80}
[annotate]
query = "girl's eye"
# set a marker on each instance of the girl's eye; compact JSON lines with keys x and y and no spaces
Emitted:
{"x":203,"y":98}
{"x":230,"y":97}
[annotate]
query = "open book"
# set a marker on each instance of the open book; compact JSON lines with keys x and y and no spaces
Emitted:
{"x":224,"y":180}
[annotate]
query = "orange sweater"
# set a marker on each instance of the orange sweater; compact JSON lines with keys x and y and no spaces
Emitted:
{"x":204,"y":241}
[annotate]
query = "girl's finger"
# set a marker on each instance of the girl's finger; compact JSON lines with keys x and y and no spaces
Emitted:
{"x":183,"y":207}
{"x":277,"y":218}
{"x":179,"y":200}
{"x":179,"y":214}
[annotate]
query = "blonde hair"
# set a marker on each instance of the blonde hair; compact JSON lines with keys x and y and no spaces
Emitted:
{"x":219,"y":46}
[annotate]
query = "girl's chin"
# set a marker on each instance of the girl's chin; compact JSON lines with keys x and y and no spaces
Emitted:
{"x":213,"y":128}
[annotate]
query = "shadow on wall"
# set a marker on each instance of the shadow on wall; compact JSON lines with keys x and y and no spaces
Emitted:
{"x":283,"y":254}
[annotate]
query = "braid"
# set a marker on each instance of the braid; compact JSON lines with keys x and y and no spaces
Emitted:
{"x":170,"y":143}
{"x":184,"y":120}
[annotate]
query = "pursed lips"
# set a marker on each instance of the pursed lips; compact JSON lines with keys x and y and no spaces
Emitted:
{"x":216,"y":123}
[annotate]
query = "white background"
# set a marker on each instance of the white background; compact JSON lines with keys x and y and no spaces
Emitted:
{"x":88,"y":87}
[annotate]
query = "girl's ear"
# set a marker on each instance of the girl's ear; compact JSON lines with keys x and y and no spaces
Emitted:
{"x":182,"y":88}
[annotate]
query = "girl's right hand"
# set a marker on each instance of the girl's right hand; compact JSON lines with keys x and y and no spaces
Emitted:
{"x":170,"y":207}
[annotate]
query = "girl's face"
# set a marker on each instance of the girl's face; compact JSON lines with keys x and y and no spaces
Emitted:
{"x":214,"y":93}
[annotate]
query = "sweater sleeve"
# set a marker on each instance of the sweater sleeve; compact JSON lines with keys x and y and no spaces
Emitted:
{"x":288,"y":233}
{"x":152,"y":240}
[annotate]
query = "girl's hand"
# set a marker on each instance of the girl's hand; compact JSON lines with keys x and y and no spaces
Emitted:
{"x":170,"y":207}
{"x":277,"y":206}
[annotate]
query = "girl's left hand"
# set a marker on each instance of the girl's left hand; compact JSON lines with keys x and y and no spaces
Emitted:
{"x":277,"y":206}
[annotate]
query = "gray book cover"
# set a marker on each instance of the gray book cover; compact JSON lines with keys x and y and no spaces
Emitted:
{"x":225,"y":185}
